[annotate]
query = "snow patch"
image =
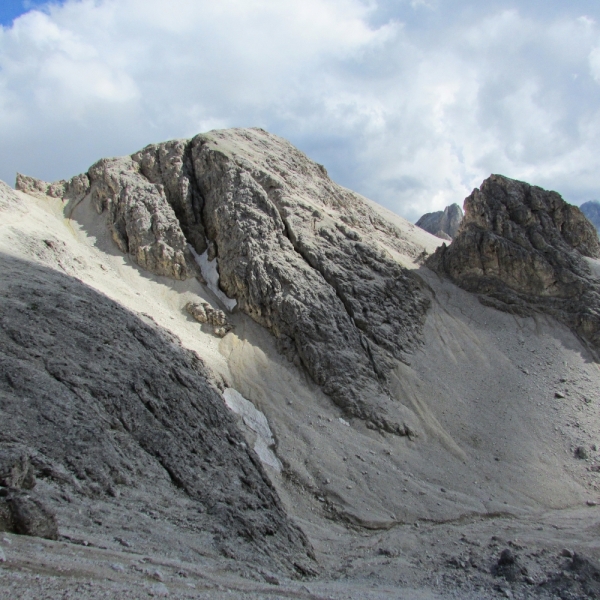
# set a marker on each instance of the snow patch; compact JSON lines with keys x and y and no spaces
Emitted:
{"x":209,"y":269}
{"x":257,"y":423}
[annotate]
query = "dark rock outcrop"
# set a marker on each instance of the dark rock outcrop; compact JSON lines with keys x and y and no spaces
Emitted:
{"x":443,"y":223}
{"x":591,"y":210}
{"x":522,"y":249}
{"x":298,"y":253}
{"x":102,"y":404}
{"x":25,"y":513}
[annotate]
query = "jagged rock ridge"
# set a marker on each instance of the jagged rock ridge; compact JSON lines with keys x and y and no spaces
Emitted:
{"x":522,"y":248}
{"x":297,"y":252}
{"x":443,"y":223}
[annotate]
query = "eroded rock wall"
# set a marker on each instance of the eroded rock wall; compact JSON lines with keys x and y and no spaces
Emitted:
{"x":522,"y":248}
{"x":300,"y":255}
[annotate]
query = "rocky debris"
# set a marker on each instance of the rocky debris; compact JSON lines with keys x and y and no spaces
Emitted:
{"x":73,"y":189}
{"x":117,"y":405}
{"x":582,"y":453}
{"x":442,"y":223}
{"x":591,"y":210}
{"x":508,"y":566}
{"x":298,"y":253}
{"x":203,"y":312}
{"x":522,"y":249}
{"x":578,"y":578}
{"x":22,"y":511}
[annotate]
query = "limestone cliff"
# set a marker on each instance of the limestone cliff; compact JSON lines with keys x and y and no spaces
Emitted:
{"x":522,"y":249}
{"x":298,"y":253}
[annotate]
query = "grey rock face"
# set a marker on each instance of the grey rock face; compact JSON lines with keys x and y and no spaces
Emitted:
{"x":75,"y":188}
{"x":522,"y":248}
{"x":104,"y":403}
{"x":443,"y":223}
{"x":297,"y":252}
{"x":142,"y":221}
{"x":591,"y":210}
{"x":170,"y":165}
{"x":332,"y":298}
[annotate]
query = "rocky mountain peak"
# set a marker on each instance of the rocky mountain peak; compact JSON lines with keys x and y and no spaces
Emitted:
{"x":303,"y":257}
{"x":591,"y":210}
{"x":522,"y":248}
{"x":443,"y":223}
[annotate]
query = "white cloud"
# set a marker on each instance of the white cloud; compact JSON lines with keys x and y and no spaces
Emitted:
{"x":412,"y":113}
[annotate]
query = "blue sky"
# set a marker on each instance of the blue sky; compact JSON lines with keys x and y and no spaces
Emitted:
{"x":409,"y":102}
{"x":11,"y":9}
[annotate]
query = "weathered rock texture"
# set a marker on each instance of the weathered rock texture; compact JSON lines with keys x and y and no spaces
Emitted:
{"x":298,"y":253}
{"x":101,"y":403}
{"x":443,"y":223}
{"x":205,"y":313}
{"x":591,"y":210}
{"x":522,"y":249}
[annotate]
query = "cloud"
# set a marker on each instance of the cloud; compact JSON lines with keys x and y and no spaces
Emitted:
{"x":410,"y":103}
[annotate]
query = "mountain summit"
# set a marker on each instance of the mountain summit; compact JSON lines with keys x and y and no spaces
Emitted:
{"x":222,"y":373}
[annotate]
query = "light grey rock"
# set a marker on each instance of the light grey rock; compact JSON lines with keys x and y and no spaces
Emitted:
{"x":158,"y":590}
{"x":203,"y":312}
{"x":298,"y":254}
{"x":443,"y":223}
{"x":521,"y":248}
{"x":141,"y":220}
{"x":73,"y":189}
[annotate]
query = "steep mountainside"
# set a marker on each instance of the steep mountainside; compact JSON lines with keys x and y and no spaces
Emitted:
{"x":524,"y":249}
{"x":223,"y":372}
{"x":297,"y":253}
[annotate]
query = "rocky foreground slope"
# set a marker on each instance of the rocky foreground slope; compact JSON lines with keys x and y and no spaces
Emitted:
{"x":229,"y":377}
{"x":100,"y":403}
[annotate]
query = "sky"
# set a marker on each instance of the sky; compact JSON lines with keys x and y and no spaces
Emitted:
{"x":412,"y":103}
